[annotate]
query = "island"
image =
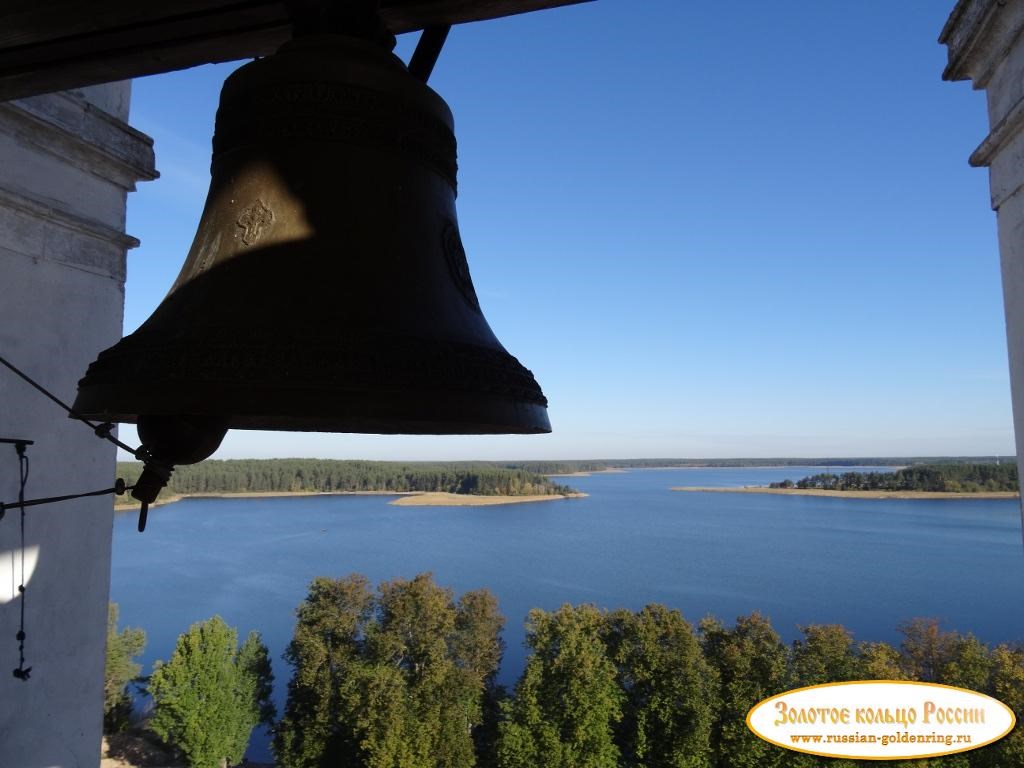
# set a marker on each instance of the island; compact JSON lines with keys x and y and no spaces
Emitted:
{"x":442,"y":499}
{"x":994,"y":480}
{"x":419,"y":483}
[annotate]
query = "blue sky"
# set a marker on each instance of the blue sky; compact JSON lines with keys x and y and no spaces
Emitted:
{"x":710,"y":229}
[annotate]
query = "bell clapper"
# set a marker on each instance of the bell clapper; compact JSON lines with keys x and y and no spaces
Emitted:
{"x":169,"y":441}
{"x":152,"y":480}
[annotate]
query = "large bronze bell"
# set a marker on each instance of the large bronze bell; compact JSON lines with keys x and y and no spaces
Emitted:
{"x":327,"y":288}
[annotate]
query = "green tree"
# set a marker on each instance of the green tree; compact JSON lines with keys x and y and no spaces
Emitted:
{"x":926,"y":649}
{"x":1007,"y":685}
{"x":752,"y":665}
{"x":568,"y":699}
{"x":671,"y":692}
{"x":255,"y":674}
{"x":325,"y":655}
{"x":477,"y":643}
{"x":121,"y":669}
{"x":210,"y":695}
{"x":396,"y":679}
{"x":826,"y":654}
{"x":969,"y":664}
{"x":880,"y":661}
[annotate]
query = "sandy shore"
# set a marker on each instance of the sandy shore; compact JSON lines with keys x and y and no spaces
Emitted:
{"x":121,"y":504}
{"x":278,"y":494}
{"x":142,"y":749}
{"x":135,"y":750}
{"x":610,"y":471}
{"x":856,"y":494}
{"x":408,"y":498}
{"x":126,"y":503}
{"x":467,"y":500}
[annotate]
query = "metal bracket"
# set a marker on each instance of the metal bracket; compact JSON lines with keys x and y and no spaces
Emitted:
{"x":427,"y":50}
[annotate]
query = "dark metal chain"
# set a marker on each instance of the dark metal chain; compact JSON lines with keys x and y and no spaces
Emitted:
{"x":22,"y":672}
{"x":119,"y":488}
{"x":100,"y":430}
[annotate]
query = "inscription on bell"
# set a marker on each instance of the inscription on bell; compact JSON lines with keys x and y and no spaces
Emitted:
{"x":255,"y":221}
{"x":458,"y":267}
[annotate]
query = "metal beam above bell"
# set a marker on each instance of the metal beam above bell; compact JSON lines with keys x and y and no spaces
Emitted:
{"x":53,"y":45}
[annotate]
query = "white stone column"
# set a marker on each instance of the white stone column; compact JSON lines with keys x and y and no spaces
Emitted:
{"x":984,"y":39}
{"x":67,"y":162}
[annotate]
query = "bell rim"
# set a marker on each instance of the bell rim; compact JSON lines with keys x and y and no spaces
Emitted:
{"x":377,"y":413}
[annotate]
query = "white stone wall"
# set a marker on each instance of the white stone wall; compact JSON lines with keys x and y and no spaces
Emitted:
{"x":67,"y":162}
{"x":985,"y":39}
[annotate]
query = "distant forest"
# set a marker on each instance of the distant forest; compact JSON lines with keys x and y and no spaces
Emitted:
{"x":554,"y":467}
{"x":948,"y":478}
{"x":522,"y":478}
{"x":323,"y":475}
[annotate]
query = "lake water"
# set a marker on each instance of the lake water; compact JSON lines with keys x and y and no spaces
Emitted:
{"x":868,"y":564}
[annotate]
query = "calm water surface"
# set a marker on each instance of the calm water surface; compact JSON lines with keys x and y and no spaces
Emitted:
{"x":867,"y":564}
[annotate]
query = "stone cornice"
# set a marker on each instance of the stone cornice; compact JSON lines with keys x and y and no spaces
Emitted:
{"x":978,"y":35}
{"x":37,"y":207}
{"x":1001,"y":134}
{"x":69,"y":127}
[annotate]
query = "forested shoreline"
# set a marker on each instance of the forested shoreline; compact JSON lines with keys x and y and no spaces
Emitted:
{"x":524,"y":478}
{"x":944,"y":478}
{"x":334,"y":476}
{"x":532,"y":478}
{"x":405,"y":675}
{"x":568,"y":466}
